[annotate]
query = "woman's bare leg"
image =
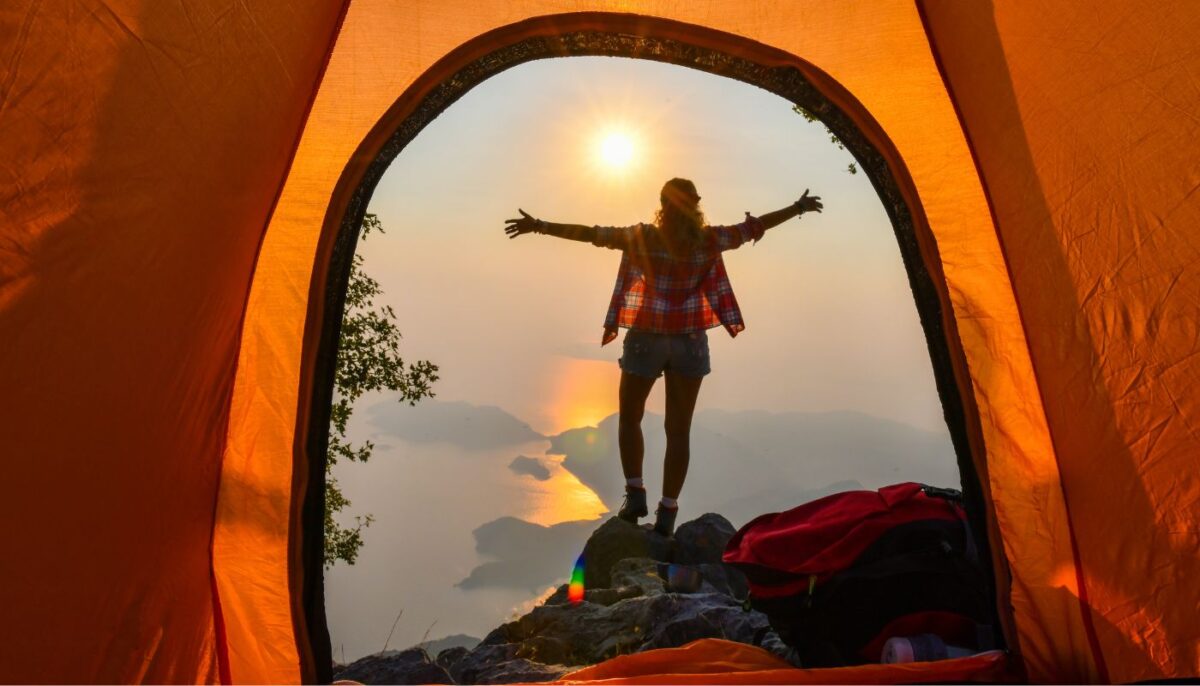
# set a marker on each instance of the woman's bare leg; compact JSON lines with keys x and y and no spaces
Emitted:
{"x":634,"y":391}
{"x":681,"y":403}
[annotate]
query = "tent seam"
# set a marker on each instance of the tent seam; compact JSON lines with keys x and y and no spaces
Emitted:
{"x":224,"y":666}
{"x":223,"y":669}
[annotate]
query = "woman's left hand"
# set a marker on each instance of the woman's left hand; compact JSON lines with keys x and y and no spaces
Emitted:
{"x":524,"y":224}
{"x":808,"y":203}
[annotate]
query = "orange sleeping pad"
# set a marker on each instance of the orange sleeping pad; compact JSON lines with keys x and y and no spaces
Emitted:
{"x":715,"y":661}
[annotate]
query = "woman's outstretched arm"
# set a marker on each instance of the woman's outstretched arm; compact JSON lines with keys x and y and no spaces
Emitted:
{"x":804,"y":204}
{"x":527,"y":224}
{"x":732,"y":237}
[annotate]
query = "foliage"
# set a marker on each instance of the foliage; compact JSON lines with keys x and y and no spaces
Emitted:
{"x":368,"y":360}
{"x":810,"y":117}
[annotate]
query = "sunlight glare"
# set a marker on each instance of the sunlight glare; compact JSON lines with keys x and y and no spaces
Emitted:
{"x":584,"y":392}
{"x":617,"y":149}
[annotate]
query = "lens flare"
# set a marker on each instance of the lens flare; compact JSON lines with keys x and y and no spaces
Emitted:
{"x":575,"y":589}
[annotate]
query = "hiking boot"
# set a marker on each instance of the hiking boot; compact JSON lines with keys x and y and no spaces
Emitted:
{"x":664,"y":520}
{"x":634,"y":505}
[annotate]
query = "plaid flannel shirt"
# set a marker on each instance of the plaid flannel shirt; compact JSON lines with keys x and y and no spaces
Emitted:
{"x":656,"y":291}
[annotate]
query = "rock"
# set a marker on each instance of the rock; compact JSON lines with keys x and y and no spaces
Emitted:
{"x":618,"y":540}
{"x":707,"y":620}
{"x":641,"y":572}
{"x":560,"y":596}
{"x":608,"y":596}
{"x":721,"y":578}
{"x":599,"y":596}
{"x":520,"y":671}
{"x":467,"y":670}
{"x":587,"y":633}
{"x":450,"y":657}
{"x":544,"y":648}
{"x":702,"y":540}
{"x":411,"y":666}
{"x":772,"y":643}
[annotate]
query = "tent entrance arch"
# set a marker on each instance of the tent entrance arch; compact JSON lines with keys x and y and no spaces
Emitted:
{"x":619,"y":36}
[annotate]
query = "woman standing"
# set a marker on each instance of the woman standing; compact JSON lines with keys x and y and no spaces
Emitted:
{"x":671,"y":288}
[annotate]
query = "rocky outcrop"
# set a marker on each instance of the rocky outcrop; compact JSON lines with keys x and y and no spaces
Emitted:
{"x":642,"y":591}
{"x":586,"y":633}
{"x":634,"y":600}
{"x":500,"y":664}
{"x":412,"y":666}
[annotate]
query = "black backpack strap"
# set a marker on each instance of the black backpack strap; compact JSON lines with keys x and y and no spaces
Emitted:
{"x":943,"y":493}
{"x":954,"y":500}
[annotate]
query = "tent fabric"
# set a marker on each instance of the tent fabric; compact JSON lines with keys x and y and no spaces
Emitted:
{"x":174,"y":175}
{"x":142,"y":146}
{"x":1085,"y":126}
{"x":715,"y":661}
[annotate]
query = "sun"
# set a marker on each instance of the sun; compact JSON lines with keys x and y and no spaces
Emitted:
{"x":617,"y":150}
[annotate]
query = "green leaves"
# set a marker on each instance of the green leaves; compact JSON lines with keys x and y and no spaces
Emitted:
{"x":368,"y":360}
{"x":341,"y":543}
{"x":851,"y":168}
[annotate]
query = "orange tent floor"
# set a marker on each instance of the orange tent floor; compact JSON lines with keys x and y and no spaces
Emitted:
{"x":714,"y":661}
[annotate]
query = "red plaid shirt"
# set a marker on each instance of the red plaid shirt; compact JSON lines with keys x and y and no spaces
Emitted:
{"x":658,"y":292}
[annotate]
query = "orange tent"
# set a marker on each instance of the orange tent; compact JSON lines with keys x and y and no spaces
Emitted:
{"x":175,"y":181}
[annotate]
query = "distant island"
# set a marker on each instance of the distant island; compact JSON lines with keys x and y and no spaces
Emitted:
{"x":530,"y":466}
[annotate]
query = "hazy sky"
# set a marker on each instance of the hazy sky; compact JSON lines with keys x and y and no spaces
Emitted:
{"x":830,"y":319}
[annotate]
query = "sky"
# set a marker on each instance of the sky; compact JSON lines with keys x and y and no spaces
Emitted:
{"x":832,"y":362}
{"x":830,"y":319}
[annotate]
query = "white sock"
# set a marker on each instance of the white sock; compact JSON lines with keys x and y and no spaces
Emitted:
{"x":669,"y":503}
{"x":634,"y":483}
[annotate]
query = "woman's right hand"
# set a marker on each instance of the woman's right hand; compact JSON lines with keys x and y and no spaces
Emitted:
{"x":525,"y":224}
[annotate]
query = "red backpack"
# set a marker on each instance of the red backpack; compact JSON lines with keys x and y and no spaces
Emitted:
{"x":839,"y":576}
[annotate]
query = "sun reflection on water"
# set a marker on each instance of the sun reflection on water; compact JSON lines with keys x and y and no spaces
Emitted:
{"x":561,"y":498}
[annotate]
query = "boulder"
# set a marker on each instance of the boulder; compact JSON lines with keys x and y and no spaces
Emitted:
{"x":713,"y":619}
{"x":412,"y":666}
{"x":617,"y":540}
{"x":702,"y":540}
{"x":721,"y":578}
{"x":609,"y":596}
{"x":640,"y":572}
{"x":520,"y":671}
{"x":484,"y":658}
{"x":560,"y":596}
{"x":450,"y":657}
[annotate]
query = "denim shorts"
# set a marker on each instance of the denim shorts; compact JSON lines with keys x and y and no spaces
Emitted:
{"x":650,"y":354}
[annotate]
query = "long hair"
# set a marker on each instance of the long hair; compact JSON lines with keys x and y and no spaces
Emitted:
{"x":680,"y":221}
